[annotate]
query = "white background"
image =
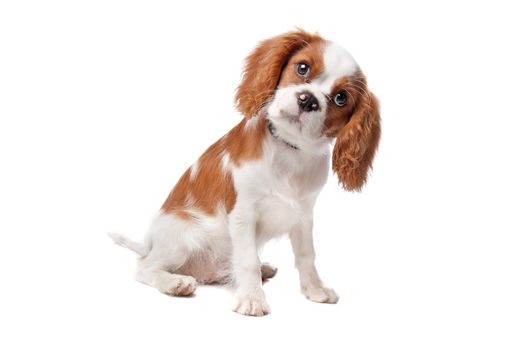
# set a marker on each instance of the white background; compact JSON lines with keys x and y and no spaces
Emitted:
{"x":104,"y":104}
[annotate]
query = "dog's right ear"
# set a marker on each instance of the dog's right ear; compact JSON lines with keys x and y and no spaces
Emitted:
{"x":262,"y":69}
{"x":356,"y":144}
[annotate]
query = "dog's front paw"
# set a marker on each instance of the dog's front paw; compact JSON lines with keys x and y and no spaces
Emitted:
{"x":251,"y":306}
{"x":321,"y":295}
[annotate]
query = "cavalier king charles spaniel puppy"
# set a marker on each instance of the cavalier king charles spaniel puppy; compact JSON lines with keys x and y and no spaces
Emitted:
{"x":298,"y":93}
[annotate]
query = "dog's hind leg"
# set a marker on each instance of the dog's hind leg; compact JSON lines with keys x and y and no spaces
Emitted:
{"x":169,"y":251}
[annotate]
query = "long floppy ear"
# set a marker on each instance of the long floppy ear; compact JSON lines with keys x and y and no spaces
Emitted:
{"x":263,"y":68}
{"x":356,"y":144}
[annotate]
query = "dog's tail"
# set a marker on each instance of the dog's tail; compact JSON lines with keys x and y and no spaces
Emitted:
{"x":123,"y":241}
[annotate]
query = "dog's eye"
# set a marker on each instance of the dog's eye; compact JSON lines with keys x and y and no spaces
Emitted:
{"x":302,"y":69}
{"x":340,"y":99}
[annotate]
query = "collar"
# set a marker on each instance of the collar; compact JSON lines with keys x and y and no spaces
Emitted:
{"x":272,"y":130}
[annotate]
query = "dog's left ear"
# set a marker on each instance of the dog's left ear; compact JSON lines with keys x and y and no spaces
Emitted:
{"x":263,"y":68}
{"x":356,"y":144}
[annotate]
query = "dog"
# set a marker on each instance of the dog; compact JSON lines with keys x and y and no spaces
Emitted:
{"x":297,"y":94}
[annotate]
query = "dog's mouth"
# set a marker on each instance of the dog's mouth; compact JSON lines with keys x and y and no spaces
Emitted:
{"x":297,"y":118}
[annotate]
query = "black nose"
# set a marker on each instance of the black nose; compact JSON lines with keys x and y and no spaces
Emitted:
{"x":307,"y":101}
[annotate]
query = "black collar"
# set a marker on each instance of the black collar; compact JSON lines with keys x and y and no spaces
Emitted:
{"x":272,"y":130}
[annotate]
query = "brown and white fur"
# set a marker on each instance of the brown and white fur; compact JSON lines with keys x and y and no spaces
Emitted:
{"x":261,"y":180}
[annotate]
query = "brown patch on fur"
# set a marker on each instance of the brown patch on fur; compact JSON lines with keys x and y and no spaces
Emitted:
{"x":263,"y":68}
{"x":211,"y":185}
{"x":358,"y":133}
{"x":337,"y":117}
{"x":245,"y":141}
{"x":313,"y":56}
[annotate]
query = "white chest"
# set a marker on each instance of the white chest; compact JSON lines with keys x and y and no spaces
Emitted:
{"x":290,"y":188}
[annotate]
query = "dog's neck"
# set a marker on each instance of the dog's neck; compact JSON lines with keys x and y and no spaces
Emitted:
{"x":273,"y":129}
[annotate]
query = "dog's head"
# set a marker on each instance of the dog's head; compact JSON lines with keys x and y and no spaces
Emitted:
{"x":312,"y":91}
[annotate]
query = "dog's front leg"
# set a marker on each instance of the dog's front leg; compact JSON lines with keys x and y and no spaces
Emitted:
{"x":311,"y":285}
{"x":249,"y":296}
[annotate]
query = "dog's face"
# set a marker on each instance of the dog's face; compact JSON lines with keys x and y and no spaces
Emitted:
{"x":315,"y":95}
{"x":312,"y":91}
